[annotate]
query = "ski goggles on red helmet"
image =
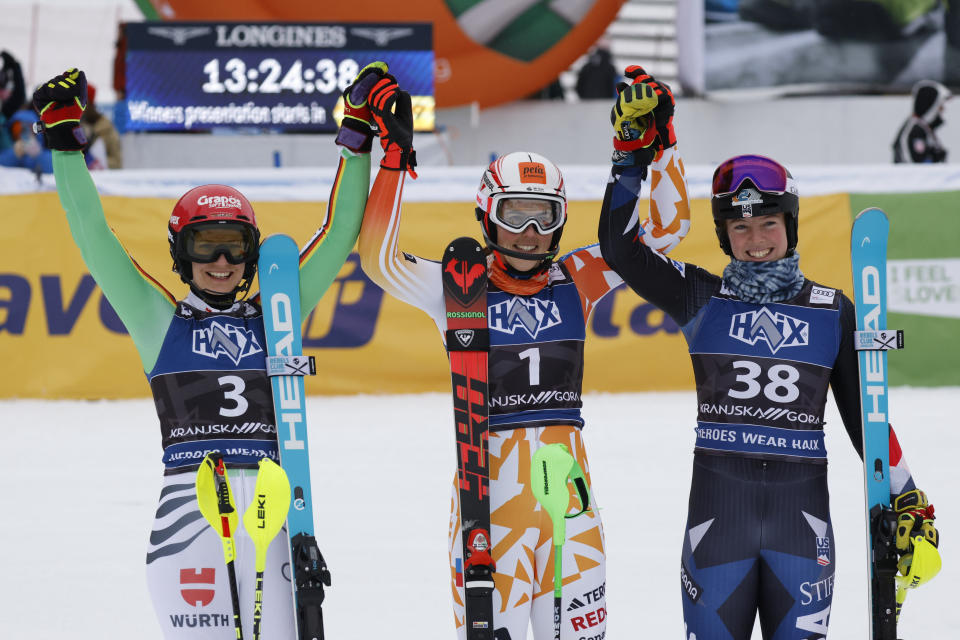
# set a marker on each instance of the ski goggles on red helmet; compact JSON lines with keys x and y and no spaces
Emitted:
{"x":765,"y":174}
{"x":205,"y":242}
{"x":516,"y":213}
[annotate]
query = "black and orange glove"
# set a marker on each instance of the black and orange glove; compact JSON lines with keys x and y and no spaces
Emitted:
{"x":393,"y":112}
{"x":357,"y":127}
{"x":666,"y":105}
{"x":634,"y":128}
{"x":60,"y":103}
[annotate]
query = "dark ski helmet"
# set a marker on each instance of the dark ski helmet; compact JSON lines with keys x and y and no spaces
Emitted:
{"x":748,"y":186}
{"x":205,"y":207}
{"x":522,"y":175}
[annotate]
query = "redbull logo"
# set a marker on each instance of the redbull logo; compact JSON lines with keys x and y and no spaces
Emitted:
{"x":529,"y":314}
{"x":778,"y":330}
{"x":228,"y":340}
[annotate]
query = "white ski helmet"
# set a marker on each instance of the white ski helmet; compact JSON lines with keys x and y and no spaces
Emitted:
{"x":522,"y":175}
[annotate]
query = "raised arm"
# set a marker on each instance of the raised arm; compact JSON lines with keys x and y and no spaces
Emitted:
{"x":322,"y":258}
{"x":142,"y":304}
{"x":408,"y":278}
{"x":644,"y":144}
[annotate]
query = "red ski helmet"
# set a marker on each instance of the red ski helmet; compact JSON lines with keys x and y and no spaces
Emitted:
{"x":213,"y":205}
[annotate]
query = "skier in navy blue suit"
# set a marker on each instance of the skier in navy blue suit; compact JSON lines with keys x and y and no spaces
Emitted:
{"x":766,"y":343}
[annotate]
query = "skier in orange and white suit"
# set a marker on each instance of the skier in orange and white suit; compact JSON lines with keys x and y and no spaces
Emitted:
{"x":538,"y":308}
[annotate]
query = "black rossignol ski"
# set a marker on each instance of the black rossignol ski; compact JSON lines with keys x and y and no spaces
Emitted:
{"x":468,"y":344}
{"x":279,"y":271}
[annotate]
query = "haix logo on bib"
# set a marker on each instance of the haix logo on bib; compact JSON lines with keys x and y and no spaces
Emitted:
{"x":776,"y":329}
{"x":530,"y":314}
{"x":225,"y":339}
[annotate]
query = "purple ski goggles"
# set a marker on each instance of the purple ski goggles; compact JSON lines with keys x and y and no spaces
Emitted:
{"x":766,"y":175}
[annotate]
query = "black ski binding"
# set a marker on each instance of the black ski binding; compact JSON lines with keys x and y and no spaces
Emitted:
{"x":311,"y":574}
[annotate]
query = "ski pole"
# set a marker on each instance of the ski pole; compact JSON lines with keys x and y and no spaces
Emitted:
{"x":216,"y":505}
{"x":263,"y":520}
{"x":551,"y":469}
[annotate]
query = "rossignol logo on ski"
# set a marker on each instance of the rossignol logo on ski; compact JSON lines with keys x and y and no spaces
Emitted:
{"x":465,"y":336}
{"x":530,"y":314}
{"x":221,"y":339}
{"x":467,"y":279}
{"x":778,"y":330}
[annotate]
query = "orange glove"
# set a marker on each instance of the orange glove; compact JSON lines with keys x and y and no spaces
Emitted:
{"x":392,"y":111}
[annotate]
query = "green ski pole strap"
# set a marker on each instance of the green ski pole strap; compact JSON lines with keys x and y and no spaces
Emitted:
{"x":553,"y":466}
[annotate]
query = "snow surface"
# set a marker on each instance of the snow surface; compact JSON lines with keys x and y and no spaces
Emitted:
{"x":81,"y":480}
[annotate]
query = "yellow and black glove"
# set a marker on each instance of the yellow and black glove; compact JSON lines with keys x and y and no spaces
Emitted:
{"x":915,"y":516}
{"x":357,"y":128}
{"x":917,"y":538}
{"x":666,"y":105}
{"x":634,"y":128}
{"x":60,"y":103}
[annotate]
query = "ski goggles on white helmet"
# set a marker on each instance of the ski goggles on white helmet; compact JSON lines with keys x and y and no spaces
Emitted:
{"x":515,"y":212}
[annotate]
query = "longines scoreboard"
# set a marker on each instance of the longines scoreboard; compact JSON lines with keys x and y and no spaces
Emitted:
{"x":198,"y":76}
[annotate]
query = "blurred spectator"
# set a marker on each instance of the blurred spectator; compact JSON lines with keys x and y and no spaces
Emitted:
{"x":104,"y":150}
{"x":597,"y":79}
{"x":553,"y":91}
{"x":19,"y":145}
{"x":12,"y":95}
{"x":917,"y":140}
{"x":28,"y":150}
